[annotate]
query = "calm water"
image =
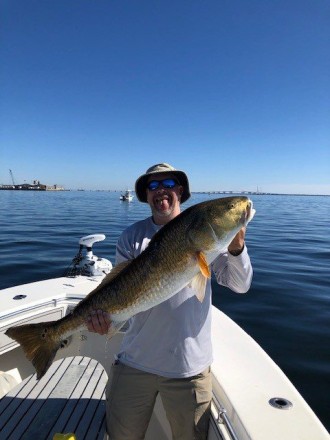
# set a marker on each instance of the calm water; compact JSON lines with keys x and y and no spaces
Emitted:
{"x":286,"y":310}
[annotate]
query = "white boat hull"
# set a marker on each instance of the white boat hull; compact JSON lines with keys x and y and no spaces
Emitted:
{"x":245,"y":379}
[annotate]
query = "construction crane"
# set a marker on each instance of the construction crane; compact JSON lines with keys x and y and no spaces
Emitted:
{"x":12,"y":177}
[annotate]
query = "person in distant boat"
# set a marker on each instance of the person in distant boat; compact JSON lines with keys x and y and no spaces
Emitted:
{"x":167,"y":350}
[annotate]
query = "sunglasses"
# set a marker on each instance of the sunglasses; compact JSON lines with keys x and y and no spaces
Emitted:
{"x":166,"y":183}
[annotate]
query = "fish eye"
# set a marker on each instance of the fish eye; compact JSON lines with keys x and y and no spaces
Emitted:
{"x":231,"y":206}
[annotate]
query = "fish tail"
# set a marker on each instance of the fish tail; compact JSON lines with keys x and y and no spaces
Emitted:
{"x":39,"y":342}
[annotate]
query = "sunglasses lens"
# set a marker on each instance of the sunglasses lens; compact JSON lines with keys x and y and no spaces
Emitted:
{"x":166,"y":183}
{"x":154,"y":184}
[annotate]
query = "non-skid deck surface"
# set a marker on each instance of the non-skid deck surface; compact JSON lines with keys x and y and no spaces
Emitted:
{"x":69,"y":398}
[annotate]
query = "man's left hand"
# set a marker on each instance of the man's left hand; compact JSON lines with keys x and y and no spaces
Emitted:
{"x":237,"y":245}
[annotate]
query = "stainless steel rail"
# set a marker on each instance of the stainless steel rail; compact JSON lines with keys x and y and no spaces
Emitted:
{"x":223,"y":418}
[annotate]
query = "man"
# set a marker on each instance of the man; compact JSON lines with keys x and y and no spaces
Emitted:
{"x":167,"y":349}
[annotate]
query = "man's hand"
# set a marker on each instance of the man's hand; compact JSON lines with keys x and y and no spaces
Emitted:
{"x":237,"y":245}
{"x":98,"y":322}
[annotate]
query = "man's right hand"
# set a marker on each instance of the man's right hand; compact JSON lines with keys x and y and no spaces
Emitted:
{"x":98,"y":322}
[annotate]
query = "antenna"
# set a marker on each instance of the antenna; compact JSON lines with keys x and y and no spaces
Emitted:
{"x":12,"y":177}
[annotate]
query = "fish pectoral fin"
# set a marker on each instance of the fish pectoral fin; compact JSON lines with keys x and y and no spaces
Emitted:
{"x":114,"y":328}
{"x":198,"y":283}
{"x":202,"y":263}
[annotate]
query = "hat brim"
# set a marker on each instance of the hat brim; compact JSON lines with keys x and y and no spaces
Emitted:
{"x":141,"y":184}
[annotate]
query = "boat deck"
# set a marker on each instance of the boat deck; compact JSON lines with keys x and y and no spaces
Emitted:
{"x":70,"y":398}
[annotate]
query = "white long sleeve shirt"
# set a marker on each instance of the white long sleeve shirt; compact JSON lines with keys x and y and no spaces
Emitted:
{"x":173,"y":339}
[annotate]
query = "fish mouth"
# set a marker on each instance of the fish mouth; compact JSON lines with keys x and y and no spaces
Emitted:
{"x":248,"y":213}
{"x":248,"y":210}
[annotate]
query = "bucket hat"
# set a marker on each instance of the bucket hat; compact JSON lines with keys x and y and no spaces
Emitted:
{"x":141,"y":183}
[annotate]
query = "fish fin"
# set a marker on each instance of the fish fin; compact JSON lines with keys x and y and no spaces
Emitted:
{"x":198,"y":283}
{"x":38,"y":343}
{"x":202,"y":263}
{"x":114,"y":328}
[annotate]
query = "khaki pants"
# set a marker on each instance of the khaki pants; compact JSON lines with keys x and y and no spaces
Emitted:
{"x":131,"y":395}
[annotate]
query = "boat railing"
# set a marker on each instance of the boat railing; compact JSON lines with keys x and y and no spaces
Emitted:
{"x":221,"y":418}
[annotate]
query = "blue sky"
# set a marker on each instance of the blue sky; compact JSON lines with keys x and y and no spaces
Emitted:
{"x":236,"y":93}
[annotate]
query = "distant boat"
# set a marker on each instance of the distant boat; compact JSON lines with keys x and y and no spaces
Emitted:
{"x":127,"y":197}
